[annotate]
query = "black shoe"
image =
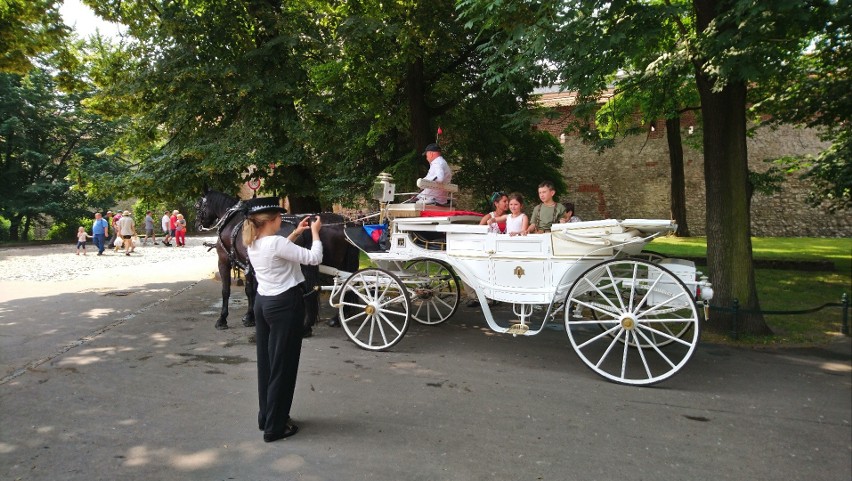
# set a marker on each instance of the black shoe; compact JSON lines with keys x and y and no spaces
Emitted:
{"x":289,"y":430}
{"x":472,"y":303}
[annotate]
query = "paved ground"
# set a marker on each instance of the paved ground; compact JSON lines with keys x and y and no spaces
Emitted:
{"x":112,"y":376}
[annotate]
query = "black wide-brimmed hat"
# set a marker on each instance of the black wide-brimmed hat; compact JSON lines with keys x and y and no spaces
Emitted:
{"x":432,"y":148}
{"x":263,"y":204}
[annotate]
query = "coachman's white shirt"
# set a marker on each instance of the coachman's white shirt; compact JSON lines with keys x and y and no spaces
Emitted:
{"x":439,"y":171}
{"x":276,"y":262}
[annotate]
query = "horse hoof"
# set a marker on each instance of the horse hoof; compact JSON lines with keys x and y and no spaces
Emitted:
{"x":333,"y":322}
{"x":221,"y":327}
{"x":248,"y":323}
{"x":308,"y":332}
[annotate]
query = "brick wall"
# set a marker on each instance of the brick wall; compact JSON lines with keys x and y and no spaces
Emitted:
{"x":632,"y":180}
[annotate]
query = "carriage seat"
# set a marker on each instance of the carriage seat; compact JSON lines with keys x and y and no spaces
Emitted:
{"x":363,"y":241}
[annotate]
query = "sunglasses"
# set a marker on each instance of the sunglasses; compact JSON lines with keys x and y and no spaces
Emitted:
{"x":496,"y":196}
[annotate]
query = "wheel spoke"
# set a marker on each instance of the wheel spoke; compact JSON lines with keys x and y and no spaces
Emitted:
{"x":603,"y":334}
{"x":609,"y":348}
{"x":389,"y":323}
{"x":642,"y":354}
{"x":596,"y":308}
{"x":602,"y":295}
{"x":659,"y":352}
{"x":615,"y":287}
{"x":663,"y":334}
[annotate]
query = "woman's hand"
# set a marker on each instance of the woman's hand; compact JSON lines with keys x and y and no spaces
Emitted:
{"x":316,"y":225}
{"x":303,"y":224}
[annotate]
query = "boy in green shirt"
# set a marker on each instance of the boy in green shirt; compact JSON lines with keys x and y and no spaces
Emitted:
{"x":546,"y":213}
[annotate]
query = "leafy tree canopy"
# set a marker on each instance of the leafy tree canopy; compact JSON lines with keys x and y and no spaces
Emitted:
{"x":317,"y":96}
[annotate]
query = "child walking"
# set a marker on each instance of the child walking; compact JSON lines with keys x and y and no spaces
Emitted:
{"x":81,"y":240}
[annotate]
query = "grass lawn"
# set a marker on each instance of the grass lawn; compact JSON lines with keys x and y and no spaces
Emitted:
{"x":788,"y":290}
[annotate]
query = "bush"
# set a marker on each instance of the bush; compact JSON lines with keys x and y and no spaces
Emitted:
{"x":63,"y":231}
{"x":4,"y":229}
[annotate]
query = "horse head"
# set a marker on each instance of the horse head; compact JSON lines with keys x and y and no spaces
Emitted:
{"x":203,"y":217}
{"x":211,"y":207}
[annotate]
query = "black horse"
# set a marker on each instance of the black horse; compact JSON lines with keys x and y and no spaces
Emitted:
{"x":221,"y":211}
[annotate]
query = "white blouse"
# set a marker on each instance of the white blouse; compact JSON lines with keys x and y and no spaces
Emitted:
{"x":514,"y":225}
{"x":276,"y":262}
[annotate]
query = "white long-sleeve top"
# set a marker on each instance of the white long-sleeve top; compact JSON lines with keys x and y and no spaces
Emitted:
{"x":276,"y":262}
{"x":439,"y":171}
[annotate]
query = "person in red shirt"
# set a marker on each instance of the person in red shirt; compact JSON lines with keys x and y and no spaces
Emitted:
{"x":173,"y":224}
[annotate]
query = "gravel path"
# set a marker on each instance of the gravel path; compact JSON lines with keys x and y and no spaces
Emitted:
{"x":59,"y":262}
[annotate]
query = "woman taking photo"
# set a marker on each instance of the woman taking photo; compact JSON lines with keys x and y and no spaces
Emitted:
{"x":279,"y":309}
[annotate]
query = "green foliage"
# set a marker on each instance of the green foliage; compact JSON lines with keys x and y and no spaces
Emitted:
{"x":4,"y":229}
{"x":40,"y":132}
{"x":28,"y":29}
{"x":816,"y":91}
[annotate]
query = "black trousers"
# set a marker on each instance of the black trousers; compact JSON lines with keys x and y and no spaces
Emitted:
{"x":278,"y":325}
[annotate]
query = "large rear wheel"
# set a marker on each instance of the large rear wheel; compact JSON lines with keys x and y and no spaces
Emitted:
{"x":631,"y":321}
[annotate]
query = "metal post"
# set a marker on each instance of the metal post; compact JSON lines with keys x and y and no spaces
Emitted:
{"x":734,"y":333}
{"x":844,"y":321}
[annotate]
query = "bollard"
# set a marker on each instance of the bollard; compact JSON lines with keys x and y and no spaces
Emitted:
{"x":734,"y":327}
{"x":844,"y":320}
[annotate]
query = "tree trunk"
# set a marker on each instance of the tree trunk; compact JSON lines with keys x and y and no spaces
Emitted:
{"x":729,"y":256}
{"x":678,"y":181}
{"x":25,"y":230}
{"x":418,"y":111}
{"x":15,"y":228}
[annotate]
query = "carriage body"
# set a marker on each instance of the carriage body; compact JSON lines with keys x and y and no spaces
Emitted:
{"x":631,"y":320}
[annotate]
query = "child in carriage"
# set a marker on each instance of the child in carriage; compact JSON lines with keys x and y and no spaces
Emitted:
{"x":500,"y":201}
{"x":516,"y":221}
{"x":569,"y":216}
{"x":546,"y":213}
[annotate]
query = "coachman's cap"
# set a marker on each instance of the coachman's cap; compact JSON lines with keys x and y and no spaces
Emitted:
{"x":263,"y":204}
{"x":432,"y":148}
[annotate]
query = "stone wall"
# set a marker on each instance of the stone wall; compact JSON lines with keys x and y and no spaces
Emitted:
{"x":632,"y":180}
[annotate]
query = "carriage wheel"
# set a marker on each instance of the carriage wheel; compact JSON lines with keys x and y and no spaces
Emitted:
{"x":649,"y":256}
{"x":435,"y":290}
{"x":649,"y":320}
{"x":374,"y":309}
{"x":673,"y":330}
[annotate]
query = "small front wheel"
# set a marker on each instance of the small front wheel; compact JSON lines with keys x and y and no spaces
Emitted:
{"x":374,"y":309}
{"x":631,"y":321}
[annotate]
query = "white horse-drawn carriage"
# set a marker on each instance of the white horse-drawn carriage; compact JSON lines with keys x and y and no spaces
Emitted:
{"x":630,"y":317}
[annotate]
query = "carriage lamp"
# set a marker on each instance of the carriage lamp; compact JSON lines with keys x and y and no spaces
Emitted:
{"x":383,"y":188}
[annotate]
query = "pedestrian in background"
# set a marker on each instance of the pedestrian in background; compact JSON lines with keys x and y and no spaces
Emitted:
{"x":127,"y":229}
{"x":180,"y":231}
{"x":149,"y":228}
{"x":100,"y":232}
{"x":166,"y":232}
{"x":81,"y":240}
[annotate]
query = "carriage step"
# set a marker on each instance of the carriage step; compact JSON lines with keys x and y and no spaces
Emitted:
{"x":519,"y":328}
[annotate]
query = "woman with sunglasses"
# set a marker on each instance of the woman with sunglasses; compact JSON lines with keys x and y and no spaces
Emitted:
{"x":501,"y":206}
